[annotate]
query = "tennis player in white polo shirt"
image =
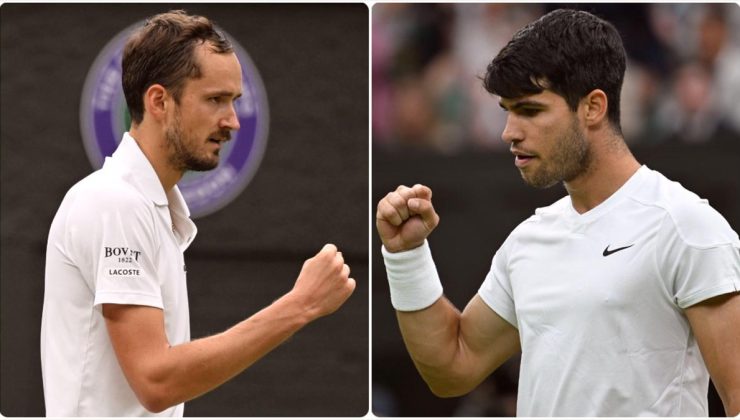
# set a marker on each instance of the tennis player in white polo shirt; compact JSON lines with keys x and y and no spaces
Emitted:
{"x":115,"y":335}
{"x":622,"y":296}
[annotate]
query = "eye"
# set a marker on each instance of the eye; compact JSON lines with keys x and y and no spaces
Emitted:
{"x":529,"y":112}
{"x":215,"y":99}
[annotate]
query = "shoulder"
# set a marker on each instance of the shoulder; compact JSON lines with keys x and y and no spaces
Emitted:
{"x":542,"y":222}
{"x":544,"y":215}
{"x":687,"y":215}
{"x":103,"y":193}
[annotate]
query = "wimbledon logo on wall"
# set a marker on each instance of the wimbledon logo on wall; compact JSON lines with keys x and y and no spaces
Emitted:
{"x":104,"y":118}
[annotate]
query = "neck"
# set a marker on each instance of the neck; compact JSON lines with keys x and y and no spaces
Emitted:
{"x":154,"y":146}
{"x":612,"y":164}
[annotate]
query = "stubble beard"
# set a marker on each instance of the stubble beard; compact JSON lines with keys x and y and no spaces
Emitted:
{"x":183,"y":155}
{"x":571,"y":158}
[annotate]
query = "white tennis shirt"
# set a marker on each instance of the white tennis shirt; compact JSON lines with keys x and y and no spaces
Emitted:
{"x":117,"y":238}
{"x":598,"y":300}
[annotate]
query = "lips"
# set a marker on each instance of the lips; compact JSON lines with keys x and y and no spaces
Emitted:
{"x":219,"y":140}
{"x":220,"y":137}
{"x":522,"y":158}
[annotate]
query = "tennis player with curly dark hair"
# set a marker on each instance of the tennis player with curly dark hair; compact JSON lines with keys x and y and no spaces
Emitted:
{"x":622,"y":296}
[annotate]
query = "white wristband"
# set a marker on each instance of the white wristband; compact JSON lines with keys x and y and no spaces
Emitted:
{"x":412,"y":277}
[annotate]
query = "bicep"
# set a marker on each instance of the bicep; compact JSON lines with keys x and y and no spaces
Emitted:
{"x":714,"y":324}
{"x":488,"y":340}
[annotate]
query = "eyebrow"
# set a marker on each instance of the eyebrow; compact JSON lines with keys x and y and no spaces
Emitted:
{"x":522,"y":104}
{"x":224,"y":93}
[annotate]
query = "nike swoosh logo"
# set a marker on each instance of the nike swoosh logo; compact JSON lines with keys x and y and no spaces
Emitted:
{"x":608,"y":252}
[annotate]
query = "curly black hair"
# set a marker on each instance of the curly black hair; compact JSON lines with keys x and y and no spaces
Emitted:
{"x":569,"y":52}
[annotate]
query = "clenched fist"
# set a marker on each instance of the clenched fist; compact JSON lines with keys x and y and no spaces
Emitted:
{"x":324,"y":283}
{"x":406,"y":217}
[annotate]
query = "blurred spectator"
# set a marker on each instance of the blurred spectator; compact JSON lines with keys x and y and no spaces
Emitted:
{"x":720,"y":54}
{"x":682,"y":80}
{"x":483,"y":31}
{"x":690,"y":115}
{"x":701,"y":104}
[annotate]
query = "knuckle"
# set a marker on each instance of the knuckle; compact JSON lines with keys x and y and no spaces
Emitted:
{"x":382,"y":205}
{"x":395,"y":199}
{"x":383,"y":210}
{"x":329,"y":258}
{"x":321,"y":257}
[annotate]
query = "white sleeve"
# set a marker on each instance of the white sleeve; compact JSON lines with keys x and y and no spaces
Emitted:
{"x":114,"y":242}
{"x":496,"y":288}
{"x":698,"y":254}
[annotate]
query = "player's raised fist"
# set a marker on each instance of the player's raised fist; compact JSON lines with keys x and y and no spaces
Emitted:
{"x":324,"y":283}
{"x":405,"y":217}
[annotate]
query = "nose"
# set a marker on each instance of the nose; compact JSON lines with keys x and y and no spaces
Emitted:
{"x":230,"y":121}
{"x":512,"y":132}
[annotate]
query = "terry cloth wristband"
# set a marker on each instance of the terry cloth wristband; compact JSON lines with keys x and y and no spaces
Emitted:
{"x":412,"y":277}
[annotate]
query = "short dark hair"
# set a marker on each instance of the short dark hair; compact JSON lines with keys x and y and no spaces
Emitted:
{"x":569,"y":52}
{"x":163,"y":52}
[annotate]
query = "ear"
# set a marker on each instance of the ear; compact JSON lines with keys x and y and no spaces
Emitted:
{"x":594,"y":107}
{"x":156,"y":100}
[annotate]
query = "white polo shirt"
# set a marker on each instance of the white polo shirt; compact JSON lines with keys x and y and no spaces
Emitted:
{"x":117,"y":238}
{"x":599,"y":298}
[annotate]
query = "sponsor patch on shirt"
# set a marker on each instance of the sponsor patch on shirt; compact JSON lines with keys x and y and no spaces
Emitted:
{"x":122,"y":261}
{"x":123,"y":254}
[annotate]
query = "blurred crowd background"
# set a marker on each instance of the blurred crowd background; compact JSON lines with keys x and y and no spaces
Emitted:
{"x":681,"y":85}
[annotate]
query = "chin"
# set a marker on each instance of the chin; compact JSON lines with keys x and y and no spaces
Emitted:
{"x":538,"y":182}
{"x":202,"y":165}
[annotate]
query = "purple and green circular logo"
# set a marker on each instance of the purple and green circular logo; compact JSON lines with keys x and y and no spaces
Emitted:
{"x":104,"y":118}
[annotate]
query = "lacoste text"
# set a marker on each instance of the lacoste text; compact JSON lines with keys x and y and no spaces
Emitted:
{"x":123,"y":272}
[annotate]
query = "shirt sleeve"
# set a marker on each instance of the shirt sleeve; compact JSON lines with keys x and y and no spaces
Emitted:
{"x":496,"y":288}
{"x":113,"y":237}
{"x":699,"y":254}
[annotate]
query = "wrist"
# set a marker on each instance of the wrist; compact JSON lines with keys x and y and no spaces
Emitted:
{"x":394,"y":247}
{"x":297,"y":307}
{"x":391,"y":249}
{"x":412,"y":277}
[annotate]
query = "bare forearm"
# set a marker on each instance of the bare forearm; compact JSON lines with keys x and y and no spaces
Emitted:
{"x":183,"y":372}
{"x":431,"y":337}
{"x":731,"y":402}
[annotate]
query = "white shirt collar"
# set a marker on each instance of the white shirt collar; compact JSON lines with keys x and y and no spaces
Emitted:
{"x":629,"y":187}
{"x":131,"y":161}
{"x":129,"y":158}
